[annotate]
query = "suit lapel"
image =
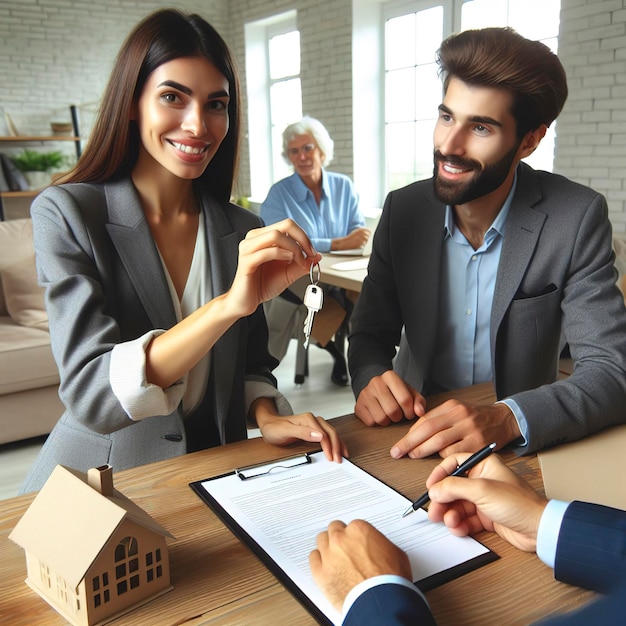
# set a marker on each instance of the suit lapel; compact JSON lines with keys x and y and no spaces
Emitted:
{"x":131,"y":236}
{"x":522,"y":231}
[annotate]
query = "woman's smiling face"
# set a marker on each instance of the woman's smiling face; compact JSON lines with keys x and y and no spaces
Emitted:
{"x":182,"y":115}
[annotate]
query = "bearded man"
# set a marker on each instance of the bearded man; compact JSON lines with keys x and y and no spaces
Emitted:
{"x":488,"y":270}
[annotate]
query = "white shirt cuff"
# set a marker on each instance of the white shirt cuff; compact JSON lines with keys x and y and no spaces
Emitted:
{"x":549,"y":529}
{"x":363,"y":586}
{"x":127,"y":375}
{"x":519,"y":416}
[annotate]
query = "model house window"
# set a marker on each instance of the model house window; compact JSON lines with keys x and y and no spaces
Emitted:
{"x":44,"y":572}
{"x":126,"y":565}
{"x":100,"y":588}
{"x":154,"y":568}
{"x":273,"y":93}
{"x":412,"y":90}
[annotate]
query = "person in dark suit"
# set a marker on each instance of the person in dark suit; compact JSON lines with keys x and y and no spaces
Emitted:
{"x":369,"y":578}
{"x":488,"y":270}
{"x":154,"y":280}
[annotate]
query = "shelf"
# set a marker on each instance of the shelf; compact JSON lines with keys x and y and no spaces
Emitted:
{"x":26,"y":138}
{"x":74,"y":137}
{"x":30,"y":193}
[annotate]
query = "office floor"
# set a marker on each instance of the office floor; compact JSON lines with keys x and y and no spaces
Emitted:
{"x":318,"y":394}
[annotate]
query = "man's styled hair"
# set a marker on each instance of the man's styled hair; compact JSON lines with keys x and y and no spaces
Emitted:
{"x":501,"y":58}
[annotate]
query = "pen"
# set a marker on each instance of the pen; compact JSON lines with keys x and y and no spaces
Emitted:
{"x":461,"y":470}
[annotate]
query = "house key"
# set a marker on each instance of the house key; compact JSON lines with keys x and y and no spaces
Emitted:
{"x":313,"y":300}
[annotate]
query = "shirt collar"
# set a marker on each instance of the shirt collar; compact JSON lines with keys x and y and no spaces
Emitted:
{"x":301,"y":190}
{"x":498,"y":224}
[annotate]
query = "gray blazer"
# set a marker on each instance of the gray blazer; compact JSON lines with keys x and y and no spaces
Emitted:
{"x":555,"y":285}
{"x":105,"y":285}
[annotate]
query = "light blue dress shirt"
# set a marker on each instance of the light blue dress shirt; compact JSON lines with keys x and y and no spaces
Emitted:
{"x":336,"y":216}
{"x":468,"y":279}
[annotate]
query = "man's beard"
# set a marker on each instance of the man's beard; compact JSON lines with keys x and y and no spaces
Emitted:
{"x":483,"y":182}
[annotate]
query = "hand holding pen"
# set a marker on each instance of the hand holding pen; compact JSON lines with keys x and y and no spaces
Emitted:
{"x":461,"y":470}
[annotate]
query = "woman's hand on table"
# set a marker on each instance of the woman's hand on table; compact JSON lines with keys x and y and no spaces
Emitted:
{"x":284,"y":430}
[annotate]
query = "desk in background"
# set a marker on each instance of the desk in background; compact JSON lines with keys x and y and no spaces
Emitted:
{"x":346,"y":279}
{"x":218,"y":580}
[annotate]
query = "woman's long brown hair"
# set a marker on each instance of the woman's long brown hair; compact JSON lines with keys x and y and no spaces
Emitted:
{"x":113,"y":146}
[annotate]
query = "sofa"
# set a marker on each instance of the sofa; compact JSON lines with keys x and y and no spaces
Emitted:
{"x":29,"y":379}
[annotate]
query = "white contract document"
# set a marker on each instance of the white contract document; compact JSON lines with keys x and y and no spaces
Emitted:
{"x":279,"y":509}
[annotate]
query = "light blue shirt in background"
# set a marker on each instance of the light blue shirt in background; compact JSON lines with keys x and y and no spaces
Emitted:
{"x":337,"y":215}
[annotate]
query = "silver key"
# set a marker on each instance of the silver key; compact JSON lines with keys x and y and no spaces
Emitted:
{"x":313,"y":300}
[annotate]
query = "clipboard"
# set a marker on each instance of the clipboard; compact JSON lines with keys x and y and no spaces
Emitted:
{"x":281,"y":472}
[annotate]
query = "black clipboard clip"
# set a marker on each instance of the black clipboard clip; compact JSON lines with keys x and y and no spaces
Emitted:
{"x":263,"y":469}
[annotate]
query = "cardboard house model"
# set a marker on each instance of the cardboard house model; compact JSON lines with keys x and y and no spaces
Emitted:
{"x":91,"y":552}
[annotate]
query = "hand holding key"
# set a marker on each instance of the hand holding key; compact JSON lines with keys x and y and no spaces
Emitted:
{"x":313,"y":301}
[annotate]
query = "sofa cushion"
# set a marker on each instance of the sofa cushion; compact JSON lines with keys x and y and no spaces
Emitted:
{"x":16,"y":244}
{"x":26,"y":360}
{"x":23,"y":297}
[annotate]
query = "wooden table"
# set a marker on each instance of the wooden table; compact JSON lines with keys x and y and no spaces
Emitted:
{"x":217,"y":580}
{"x":346,"y":279}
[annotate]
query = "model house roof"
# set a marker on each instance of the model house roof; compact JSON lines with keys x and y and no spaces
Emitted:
{"x":69,"y":521}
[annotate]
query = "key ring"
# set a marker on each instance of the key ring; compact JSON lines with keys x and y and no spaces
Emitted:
{"x":319,"y":273}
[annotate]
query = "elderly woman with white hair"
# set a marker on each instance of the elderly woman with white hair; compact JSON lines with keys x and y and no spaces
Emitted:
{"x":326,"y":206}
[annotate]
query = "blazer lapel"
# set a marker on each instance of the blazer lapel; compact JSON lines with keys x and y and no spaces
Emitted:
{"x":131,"y":236}
{"x":223,"y":246}
{"x":523,"y":227}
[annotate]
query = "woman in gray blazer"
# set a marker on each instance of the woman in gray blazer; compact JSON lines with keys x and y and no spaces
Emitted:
{"x":154,"y":281}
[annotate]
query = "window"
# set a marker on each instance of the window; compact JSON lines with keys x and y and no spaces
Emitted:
{"x":285,"y":93}
{"x":412,"y":94}
{"x":150,"y":562}
{"x":409,"y":34}
{"x":273,"y":93}
{"x":126,"y":565}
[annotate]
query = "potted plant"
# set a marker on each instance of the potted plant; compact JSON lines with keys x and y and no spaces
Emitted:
{"x":38,"y":166}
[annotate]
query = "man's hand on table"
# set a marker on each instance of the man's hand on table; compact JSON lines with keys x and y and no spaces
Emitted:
{"x":447,"y":429}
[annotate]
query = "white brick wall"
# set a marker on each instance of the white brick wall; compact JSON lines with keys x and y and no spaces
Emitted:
{"x":54,"y":53}
{"x":57,"y":52}
{"x":591,"y":131}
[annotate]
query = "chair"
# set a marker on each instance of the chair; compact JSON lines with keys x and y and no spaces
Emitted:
{"x":285,"y":321}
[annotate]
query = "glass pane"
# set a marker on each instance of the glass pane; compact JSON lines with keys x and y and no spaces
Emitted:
{"x":429,"y":34}
{"x":523,"y":17}
{"x":428,"y":92}
{"x":424,"y":149}
{"x":483,"y":13}
{"x":284,"y":55}
{"x":286,"y":107}
{"x":286,"y":102}
{"x":400,"y":152}
{"x":400,"y":95}
{"x":280,"y":168}
{"x":400,"y":41}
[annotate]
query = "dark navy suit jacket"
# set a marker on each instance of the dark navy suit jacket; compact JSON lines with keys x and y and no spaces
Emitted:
{"x":591,"y":553}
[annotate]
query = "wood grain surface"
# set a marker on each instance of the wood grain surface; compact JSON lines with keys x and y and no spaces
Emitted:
{"x":218,"y":580}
